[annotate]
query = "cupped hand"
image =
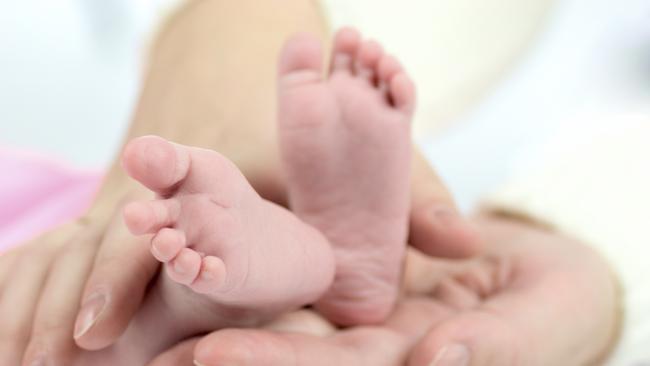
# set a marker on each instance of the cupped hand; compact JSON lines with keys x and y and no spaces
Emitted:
{"x":42,"y":283}
{"x":88,"y":278}
{"x":534,"y":298}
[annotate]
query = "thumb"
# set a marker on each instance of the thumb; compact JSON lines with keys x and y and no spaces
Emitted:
{"x":470,"y":339}
{"x":181,"y":354}
{"x":436,"y":226}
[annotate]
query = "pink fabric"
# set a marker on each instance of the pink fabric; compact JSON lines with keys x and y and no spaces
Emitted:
{"x":38,"y":193}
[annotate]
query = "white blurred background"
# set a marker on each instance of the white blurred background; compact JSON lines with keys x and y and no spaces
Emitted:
{"x":505,"y":74}
{"x":69,"y":73}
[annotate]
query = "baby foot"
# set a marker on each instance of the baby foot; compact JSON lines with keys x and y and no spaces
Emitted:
{"x":232,"y":258}
{"x":217,"y":236}
{"x":345,"y":142}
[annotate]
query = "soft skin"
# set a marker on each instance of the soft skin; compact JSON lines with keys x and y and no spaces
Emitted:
{"x":534,"y":297}
{"x":345,"y":142}
{"x":206,"y":101}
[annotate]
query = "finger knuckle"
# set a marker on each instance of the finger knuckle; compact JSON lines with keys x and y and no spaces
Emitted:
{"x":55,"y":350}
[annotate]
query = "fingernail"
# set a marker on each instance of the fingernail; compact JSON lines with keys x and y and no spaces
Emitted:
{"x":90,"y":311}
{"x":446,"y":215}
{"x":452,"y":355}
{"x":196,"y":363}
{"x":449,"y":218}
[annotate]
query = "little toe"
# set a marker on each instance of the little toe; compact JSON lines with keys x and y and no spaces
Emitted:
{"x":167,"y":244}
{"x":185,"y":267}
{"x":301,"y":60}
{"x":156,"y":163}
{"x":346,"y":44}
{"x":367,"y":60}
{"x":211,"y":277}
{"x":402,"y":93}
{"x":149,"y":217}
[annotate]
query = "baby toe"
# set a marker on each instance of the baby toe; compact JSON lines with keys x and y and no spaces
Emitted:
{"x":167,"y":244}
{"x":149,"y":217}
{"x":402,"y":93}
{"x":387,"y":68}
{"x":346,"y":45}
{"x":301,"y":52}
{"x":367,"y":60}
{"x":211,"y":277}
{"x":185,"y":267}
{"x":156,"y":163}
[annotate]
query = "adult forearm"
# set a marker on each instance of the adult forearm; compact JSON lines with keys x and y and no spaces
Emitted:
{"x":210,"y":82}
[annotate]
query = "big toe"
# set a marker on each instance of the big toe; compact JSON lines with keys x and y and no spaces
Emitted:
{"x":302,"y":56}
{"x":156,"y":163}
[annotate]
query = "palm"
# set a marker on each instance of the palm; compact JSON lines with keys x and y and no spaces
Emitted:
{"x":506,"y":306}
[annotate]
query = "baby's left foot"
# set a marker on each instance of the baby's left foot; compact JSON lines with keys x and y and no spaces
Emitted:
{"x":345,"y":142}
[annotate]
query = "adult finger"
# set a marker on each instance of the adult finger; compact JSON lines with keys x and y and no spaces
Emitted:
{"x":117,"y":284}
{"x":26,"y":271}
{"x":51,"y":338}
{"x":436,"y":226}
{"x":181,"y":354}
{"x":513,"y":328}
{"x":474,"y":338}
{"x":258,"y":347}
{"x":17,"y":307}
{"x":386,"y":345}
{"x":496,"y":331}
{"x":556,"y":305}
{"x":302,"y":321}
{"x":6,"y":260}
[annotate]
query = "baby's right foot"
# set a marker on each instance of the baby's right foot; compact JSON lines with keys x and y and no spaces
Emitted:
{"x":235,"y":252}
{"x":345,"y":141}
{"x":216,"y":235}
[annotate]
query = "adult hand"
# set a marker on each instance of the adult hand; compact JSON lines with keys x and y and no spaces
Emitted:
{"x":209,"y":100}
{"x":42,"y":283}
{"x":534,"y":298}
{"x":95,"y":262}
